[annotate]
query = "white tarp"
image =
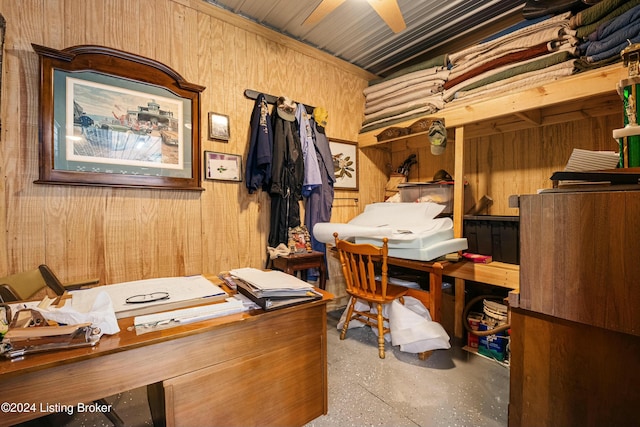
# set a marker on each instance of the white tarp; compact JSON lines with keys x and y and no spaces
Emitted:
{"x":411,"y":326}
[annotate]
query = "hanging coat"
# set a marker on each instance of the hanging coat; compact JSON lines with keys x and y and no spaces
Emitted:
{"x":258,"y":169}
{"x":312,"y":178}
{"x":287,"y":173}
{"x":320,"y":200}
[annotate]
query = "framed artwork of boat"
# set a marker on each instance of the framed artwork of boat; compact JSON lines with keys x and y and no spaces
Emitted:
{"x":111,"y":118}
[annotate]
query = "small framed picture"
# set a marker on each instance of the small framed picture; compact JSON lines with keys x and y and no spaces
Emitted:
{"x":219,"y":127}
{"x":345,"y":163}
{"x":222,"y":167}
{"x":299,"y":240}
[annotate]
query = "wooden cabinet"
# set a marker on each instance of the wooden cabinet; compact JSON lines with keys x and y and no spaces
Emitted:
{"x":277,"y":376}
{"x":580,"y":257}
{"x":565,"y":374}
{"x":575,"y":343}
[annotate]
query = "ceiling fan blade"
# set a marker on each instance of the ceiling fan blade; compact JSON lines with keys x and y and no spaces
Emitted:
{"x":322,"y":10}
{"x":389,"y":11}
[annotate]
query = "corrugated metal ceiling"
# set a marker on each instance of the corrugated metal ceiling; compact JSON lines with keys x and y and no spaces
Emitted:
{"x":355,"y":33}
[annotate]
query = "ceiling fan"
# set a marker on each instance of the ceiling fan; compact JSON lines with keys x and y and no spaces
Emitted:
{"x":388,"y":10}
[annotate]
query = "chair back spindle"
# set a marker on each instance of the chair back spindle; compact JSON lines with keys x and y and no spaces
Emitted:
{"x":359,"y":268}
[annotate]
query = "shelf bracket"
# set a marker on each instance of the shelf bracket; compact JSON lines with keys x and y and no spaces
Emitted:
{"x":533,"y":117}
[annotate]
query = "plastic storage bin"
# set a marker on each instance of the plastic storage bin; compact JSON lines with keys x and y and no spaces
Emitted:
{"x":498,"y":236}
{"x":428,"y":192}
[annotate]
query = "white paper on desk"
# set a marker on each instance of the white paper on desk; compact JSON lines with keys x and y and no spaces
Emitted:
{"x":170,"y":319}
{"x":271,"y":279}
{"x":180,"y":289}
{"x":400,"y":221}
{"x":96,"y":308}
{"x":398,"y":215}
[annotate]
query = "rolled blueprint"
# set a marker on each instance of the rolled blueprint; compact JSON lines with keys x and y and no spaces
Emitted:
{"x":323,"y":231}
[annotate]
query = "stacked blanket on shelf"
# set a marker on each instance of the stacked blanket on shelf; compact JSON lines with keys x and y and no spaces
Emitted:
{"x":611,"y":36}
{"x":521,"y":57}
{"x":416,"y":92}
{"x":527,"y":56}
{"x":588,"y":20}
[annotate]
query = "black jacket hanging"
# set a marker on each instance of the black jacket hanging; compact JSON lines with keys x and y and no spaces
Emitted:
{"x":287,"y":174}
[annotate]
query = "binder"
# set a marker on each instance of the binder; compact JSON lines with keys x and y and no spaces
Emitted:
{"x":274,"y":303}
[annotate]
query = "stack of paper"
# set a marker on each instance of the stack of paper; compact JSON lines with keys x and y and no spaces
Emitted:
{"x":586,"y":160}
{"x":273,"y":289}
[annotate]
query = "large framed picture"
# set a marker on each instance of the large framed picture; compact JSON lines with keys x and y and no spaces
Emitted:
{"x":111,"y":118}
{"x":223,"y":167}
{"x":345,"y":163}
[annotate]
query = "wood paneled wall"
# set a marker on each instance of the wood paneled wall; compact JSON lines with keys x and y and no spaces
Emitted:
{"x":514,"y":162}
{"x":129,"y":234}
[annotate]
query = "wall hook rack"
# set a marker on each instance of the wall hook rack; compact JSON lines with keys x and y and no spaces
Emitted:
{"x":271,"y":99}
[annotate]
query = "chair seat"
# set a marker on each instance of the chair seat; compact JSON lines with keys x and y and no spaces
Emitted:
{"x":393,"y":292}
{"x":396,"y":291}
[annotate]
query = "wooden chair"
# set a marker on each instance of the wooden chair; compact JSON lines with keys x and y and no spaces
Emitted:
{"x":358,"y":262}
{"x":34,"y":283}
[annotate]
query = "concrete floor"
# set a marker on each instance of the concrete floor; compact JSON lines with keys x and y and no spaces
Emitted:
{"x":451,"y":388}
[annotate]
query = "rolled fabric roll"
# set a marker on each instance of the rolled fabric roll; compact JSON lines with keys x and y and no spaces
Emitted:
{"x":323,"y":231}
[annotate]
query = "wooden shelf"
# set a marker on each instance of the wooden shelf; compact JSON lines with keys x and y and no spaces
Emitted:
{"x":526,"y":105}
{"x":569,"y":98}
{"x":475,"y":352}
{"x":494,"y":273}
{"x":587,"y":94}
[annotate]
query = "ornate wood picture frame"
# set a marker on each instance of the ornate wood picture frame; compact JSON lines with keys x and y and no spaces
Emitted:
{"x":111,"y":118}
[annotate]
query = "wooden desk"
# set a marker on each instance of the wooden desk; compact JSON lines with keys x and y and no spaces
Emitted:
{"x":290,"y":264}
{"x":244,"y":369}
{"x":494,"y":273}
{"x":435,"y":269}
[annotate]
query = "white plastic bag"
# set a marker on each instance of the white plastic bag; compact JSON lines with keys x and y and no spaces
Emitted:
{"x":411,"y":326}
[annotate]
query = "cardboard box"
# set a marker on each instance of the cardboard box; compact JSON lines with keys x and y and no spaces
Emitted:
{"x":494,"y":346}
{"x":474,"y":319}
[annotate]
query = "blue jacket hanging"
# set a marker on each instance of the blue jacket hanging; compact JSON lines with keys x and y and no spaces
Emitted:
{"x":259,"y":157}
